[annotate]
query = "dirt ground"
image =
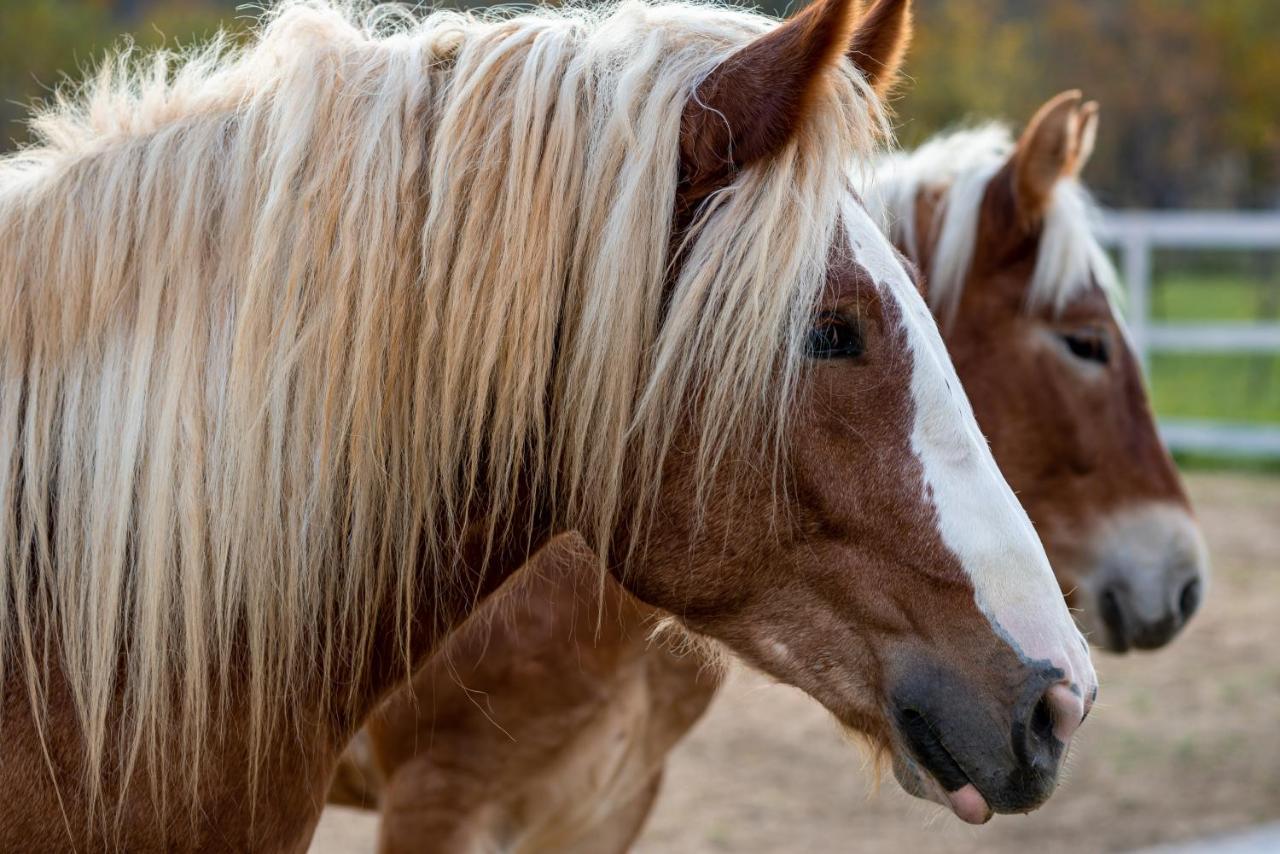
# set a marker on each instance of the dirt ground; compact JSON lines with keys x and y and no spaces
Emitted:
{"x":1183,"y":744}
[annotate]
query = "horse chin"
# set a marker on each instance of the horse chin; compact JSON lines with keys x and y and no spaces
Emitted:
{"x":967,"y":803}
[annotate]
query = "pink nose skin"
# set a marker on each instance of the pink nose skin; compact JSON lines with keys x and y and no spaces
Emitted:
{"x":1068,"y":712}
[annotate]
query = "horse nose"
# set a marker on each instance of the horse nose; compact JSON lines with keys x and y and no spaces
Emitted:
{"x":985,"y":756}
{"x":1149,"y":575}
{"x":1130,"y":624}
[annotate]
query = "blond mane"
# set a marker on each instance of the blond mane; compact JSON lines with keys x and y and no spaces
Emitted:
{"x":273,"y":316}
{"x":958,"y":166}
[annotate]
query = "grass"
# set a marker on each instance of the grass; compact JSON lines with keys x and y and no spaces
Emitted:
{"x":1190,"y":296}
{"x":1196,"y":461}
{"x":1241,"y":388}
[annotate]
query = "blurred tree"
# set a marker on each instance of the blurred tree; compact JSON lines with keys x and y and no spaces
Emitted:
{"x":1190,"y":90}
{"x":45,"y":42}
{"x":971,"y":60}
{"x":1246,"y":36}
{"x":39,"y":40}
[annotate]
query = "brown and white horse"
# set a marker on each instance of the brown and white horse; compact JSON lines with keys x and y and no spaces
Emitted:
{"x":306,"y":346}
{"x":1022,"y":291}
{"x":575,"y":722}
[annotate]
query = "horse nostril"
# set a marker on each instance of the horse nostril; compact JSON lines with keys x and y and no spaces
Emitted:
{"x":1113,"y":618}
{"x":1189,"y":599}
{"x":1049,"y":725}
{"x":1042,"y":719}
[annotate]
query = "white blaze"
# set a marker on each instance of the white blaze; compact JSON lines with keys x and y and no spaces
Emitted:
{"x":979,"y":518}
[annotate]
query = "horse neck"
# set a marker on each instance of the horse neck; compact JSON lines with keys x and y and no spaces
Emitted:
{"x":443,"y":600}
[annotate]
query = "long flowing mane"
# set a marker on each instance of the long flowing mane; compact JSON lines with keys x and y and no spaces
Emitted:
{"x":957,"y":167}
{"x":275,"y":319}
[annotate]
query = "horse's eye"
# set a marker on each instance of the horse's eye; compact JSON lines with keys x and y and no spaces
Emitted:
{"x":833,"y":336}
{"x":1088,"y":344}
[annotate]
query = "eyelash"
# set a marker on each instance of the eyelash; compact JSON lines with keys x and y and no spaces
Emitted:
{"x":832,"y":336}
{"x":1088,"y":346}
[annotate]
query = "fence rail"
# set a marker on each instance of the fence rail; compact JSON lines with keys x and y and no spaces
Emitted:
{"x":1137,"y":234}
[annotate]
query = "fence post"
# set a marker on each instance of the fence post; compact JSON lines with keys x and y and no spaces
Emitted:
{"x":1137,"y":276}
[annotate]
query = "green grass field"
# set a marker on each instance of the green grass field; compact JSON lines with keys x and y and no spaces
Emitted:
{"x":1244,"y":387}
{"x":1222,"y":388}
{"x":1208,"y":296}
{"x":1241,"y":388}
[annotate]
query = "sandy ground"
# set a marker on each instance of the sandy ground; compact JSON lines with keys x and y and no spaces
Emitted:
{"x":1183,"y":744}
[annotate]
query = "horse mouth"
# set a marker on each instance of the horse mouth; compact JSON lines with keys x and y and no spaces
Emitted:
{"x":947,"y":783}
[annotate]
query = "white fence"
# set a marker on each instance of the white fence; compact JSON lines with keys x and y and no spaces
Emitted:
{"x":1136,"y":234}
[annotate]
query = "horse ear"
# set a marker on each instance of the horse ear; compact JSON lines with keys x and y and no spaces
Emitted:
{"x":1088,"y":135}
{"x":1048,"y":151}
{"x":880,"y":43}
{"x":753,"y":102}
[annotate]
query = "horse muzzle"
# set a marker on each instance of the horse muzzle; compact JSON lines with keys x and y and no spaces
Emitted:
{"x":980,"y":753}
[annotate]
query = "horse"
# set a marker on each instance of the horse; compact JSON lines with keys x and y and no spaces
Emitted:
{"x":309,"y":343}
{"x":576,"y":721}
{"x":1029,"y":318}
